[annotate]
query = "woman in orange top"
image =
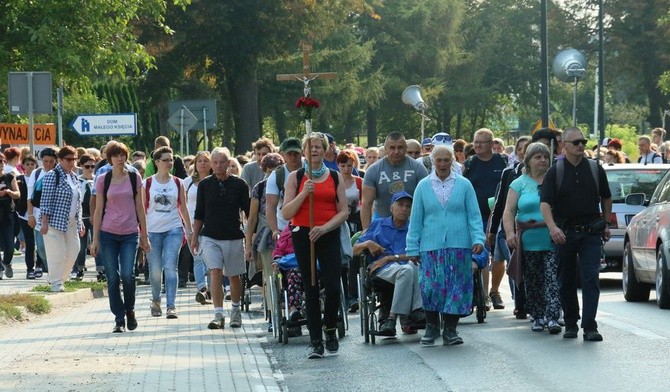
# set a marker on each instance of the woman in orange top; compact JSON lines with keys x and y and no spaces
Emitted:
{"x":330,"y":211}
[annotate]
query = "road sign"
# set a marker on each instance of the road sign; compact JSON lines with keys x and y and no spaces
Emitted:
{"x":201,"y":108}
{"x":17,"y":134}
{"x":105,"y":124}
{"x":19,"y":85}
{"x":188,"y":121}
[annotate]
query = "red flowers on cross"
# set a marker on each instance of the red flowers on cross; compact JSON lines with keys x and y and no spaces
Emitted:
{"x":306,"y":105}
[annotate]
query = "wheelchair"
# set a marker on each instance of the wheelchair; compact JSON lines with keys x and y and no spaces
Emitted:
{"x":478,"y":297}
{"x":280,"y":308}
{"x":375,"y":295}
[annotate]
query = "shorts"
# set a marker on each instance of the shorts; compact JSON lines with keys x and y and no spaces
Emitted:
{"x":227,"y":255}
{"x":501,"y":252}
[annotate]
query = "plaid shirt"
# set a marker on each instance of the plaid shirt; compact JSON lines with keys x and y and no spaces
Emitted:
{"x":56,"y":199}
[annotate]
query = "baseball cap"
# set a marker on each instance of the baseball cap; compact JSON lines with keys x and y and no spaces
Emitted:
{"x":331,"y":138}
{"x":441,"y":138}
{"x":606,"y":141}
{"x":400,"y":195}
{"x":616,"y":143}
{"x":290,"y":144}
{"x":427,"y":142}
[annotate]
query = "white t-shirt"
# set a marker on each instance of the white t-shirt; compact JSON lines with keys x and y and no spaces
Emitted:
{"x":191,"y":196}
{"x":163,"y":211}
{"x":30,"y":184}
{"x":271,"y":188}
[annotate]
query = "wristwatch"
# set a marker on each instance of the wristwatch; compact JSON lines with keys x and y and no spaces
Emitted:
{"x":397,"y":257}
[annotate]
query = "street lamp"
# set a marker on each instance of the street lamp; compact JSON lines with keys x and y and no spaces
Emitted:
{"x":412,"y":96}
{"x":570,"y":66}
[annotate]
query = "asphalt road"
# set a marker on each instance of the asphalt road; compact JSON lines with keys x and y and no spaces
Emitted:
{"x":501,"y":354}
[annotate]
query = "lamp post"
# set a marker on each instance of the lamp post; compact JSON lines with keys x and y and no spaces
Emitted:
{"x":412,"y":96}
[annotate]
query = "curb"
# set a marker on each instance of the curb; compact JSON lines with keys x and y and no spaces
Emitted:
{"x":73,"y":298}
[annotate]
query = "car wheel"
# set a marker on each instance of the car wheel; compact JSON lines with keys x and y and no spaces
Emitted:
{"x":662,"y":292}
{"x":633,"y":290}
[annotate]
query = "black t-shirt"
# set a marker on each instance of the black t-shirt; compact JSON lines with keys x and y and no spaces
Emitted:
{"x":577,"y":202}
{"x":218,"y":207}
{"x":485,"y":176}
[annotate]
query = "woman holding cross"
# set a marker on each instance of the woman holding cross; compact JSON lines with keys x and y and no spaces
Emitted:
{"x":316,"y":204}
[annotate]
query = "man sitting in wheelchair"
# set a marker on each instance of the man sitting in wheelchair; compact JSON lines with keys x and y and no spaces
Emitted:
{"x":385,"y":241}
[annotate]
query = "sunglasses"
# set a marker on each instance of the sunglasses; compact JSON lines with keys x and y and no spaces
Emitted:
{"x":441,"y":139}
{"x":70,"y":159}
{"x":458,"y":150}
{"x":89,"y":166}
{"x":577,"y":142}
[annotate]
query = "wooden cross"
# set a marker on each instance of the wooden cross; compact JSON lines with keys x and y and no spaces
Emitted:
{"x":306,"y":76}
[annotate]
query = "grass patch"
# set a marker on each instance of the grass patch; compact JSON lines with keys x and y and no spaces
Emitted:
{"x":73,"y":285}
{"x":35,"y":304}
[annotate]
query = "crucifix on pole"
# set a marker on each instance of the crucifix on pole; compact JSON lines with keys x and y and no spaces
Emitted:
{"x":306,"y":77}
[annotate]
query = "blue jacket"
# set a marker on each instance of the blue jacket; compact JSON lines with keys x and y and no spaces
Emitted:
{"x":433,"y":227}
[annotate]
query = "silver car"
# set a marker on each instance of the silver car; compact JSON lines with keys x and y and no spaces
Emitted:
{"x":625,"y":179}
{"x":646,"y":247}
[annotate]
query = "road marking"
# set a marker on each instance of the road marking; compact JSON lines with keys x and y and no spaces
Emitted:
{"x":641,"y":332}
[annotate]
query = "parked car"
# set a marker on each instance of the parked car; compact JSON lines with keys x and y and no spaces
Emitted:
{"x":647,"y":247}
{"x":625,"y":179}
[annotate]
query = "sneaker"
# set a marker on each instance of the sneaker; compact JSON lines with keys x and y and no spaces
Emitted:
{"x":432,"y":333}
{"x":218,"y":322}
{"x":451,"y":338}
{"x":73,"y":275}
{"x":171,"y":313}
{"x":131,"y":321}
{"x":227,"y":296}
{"x":9,"y":271}
{"x":270,"y":328}
{"x":201,"y":297}
{"x":30,"y":275}
{"x":38,"y":272}
{"x":592,"y":336}
{"x":101,"y":277}
{"x":156,"y":308}
{"x":387,"y":328}
{"x":570,"y":332}
{"x":496,"y":300}
{"x":17,"y":252}
{"x":315,"y":349}
{"x":353,"y":306}
{"x":119,"y":328}
{"x":487,"y":303}
{"x":295,"y":316}
{"x":57,"y":288}
{"x":80,"y":275}
{"x":538,"y":325}
{"x":235,"y":317}
{"x":554,"y":327}
{"x":332,"y":344}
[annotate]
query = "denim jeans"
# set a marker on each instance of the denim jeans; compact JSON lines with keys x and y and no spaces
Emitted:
{"x":29,"y":238}
{"x":41,"y":250}
{"x":83,"y":246}
{"x":587,"y":247}
{"x":163,"y":257}
{"x":7,"y":238}
{"x":117,"y":253}
{"x":200,"y":270}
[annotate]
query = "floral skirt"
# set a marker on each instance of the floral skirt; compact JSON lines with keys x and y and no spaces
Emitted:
{"x":446,"y":281}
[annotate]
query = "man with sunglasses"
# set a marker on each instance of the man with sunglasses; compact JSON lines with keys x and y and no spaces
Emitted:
{"x":572,"y":207}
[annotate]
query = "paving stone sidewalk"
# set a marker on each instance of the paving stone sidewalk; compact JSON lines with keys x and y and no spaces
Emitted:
{"x":74,"y":350}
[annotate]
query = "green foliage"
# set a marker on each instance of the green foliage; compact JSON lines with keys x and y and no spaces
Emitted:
{"x":10,"y":303}
{"x":72,"y":285}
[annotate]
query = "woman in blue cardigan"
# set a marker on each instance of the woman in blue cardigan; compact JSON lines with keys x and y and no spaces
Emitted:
{"x":445,"y":228}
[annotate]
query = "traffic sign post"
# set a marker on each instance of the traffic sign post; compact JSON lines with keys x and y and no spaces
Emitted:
{"x":105,"y":124}
{"x":30,"y":93}
{"x":183,"y":120}
{"x":203,"y":109}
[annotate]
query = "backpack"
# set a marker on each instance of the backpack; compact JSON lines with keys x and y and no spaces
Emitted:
{"x":280,"y":177}
{"x":333,"y":173}
{"x":21,"y":205}
{"x":560,"y":169}
{"x":86,"y":200}
{"x":148,"y":187}
{"x":37,"y":191}
{"x":108,"y":181}
{"x":639,"y":159}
